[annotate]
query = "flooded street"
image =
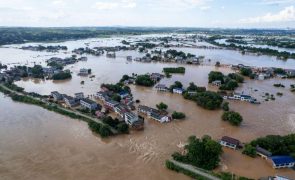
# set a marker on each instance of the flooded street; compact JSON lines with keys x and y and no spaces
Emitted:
{"x":37,"y":144}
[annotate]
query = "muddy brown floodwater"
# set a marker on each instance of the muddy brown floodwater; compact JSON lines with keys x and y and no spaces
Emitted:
{"x":38,"y":144}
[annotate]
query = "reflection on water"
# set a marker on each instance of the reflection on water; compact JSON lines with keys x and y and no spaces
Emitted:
{"x":37,"y":144}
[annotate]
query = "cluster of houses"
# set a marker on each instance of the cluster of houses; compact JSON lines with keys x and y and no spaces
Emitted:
{"x":77,"y":100}
{"x":262,"y":73}
{"x":143,"y":59}
{"x":178,"y":59}
{"x":123,"y":109}
{"x":45,"y":48}
{"x":12,"y":74}
{"x":63,"y":61}
{"x":164,"y":88}
{"x":17,"y":72}
{"x":242,"y":97}
{"x":277,"y":162}
{"x":87,"y":50}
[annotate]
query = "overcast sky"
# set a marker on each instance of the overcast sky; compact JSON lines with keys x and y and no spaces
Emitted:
{"x":172,"y":13}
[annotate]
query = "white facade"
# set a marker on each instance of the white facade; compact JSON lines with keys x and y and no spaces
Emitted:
{"x":177,"y":90}
{"x":226,"y":144}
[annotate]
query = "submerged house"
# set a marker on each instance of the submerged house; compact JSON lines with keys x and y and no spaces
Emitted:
{"x":230,"y":142}
{"x":70,"y":101}
{"x":153,"y":114}
{"x":88,"y":104}
{"x":102,"y":95}
{"x":216,"y":83}
{"x":282,"y":162}
{"x":161,"y":87}
{"x":83,"y":72}
{"x":79,"y":95}
{"x":111,"y":54}
{"x":147,"y":110}
{"x":242,"y":97}
{"x":57,"y":96}
{"x":178,"y":90}
{"x":134,"y":120}
{"x":156,"y":77}
{"x":290,"y":72}
{"x":111,"y":104}
{"x":265,"y":154}
{"x":161,"y":118}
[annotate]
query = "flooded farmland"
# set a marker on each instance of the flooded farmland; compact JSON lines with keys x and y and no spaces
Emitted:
{"x":37,"y":144}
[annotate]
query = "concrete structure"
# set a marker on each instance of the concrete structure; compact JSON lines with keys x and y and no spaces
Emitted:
{"x":160,"y":118}
{"x":216,"y":83}
{"x":88,"y":104}
{"x":229,"y":142}
{"x":111,"y":104}
{"x":70,"y":101}
{"x":147,"y":110}
{"x":153,"y":114}
{"x":161,"y":87}
{"x":263,"y":152}
{"x":102,"y":95}
{"x":79,"y":95}
{"x":57,"y":96}
{"x":111,"y":54}
{"x":134,"y":120}
{"x":83,"y":72}
{"x":178,"y":90}
{"x":261,"y":77}
{"x":156,"y":77}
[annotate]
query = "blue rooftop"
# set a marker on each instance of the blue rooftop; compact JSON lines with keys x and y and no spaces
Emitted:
{"x":282,"y":159}
{"x":123,"y":92}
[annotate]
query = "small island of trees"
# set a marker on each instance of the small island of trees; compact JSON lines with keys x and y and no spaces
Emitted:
{"x":178,"y":115}
{"x":62,"y":75}
{"x":144,"y":80}
{"x":168,"y":70}
{"x":232,"y":117}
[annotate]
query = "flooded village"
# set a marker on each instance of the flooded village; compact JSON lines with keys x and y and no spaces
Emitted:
{"x":151,"y":86}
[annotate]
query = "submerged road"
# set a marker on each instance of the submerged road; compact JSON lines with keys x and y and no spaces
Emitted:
{"x":194,"y":170}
